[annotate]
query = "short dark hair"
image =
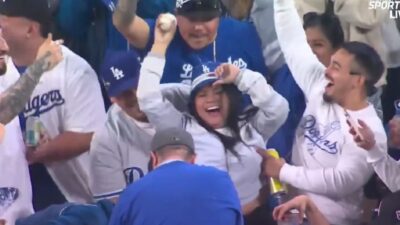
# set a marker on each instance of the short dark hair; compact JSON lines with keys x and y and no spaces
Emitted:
{"x":369,"y":60}
{"x":329,"y":25}
{"x":186,"y":152}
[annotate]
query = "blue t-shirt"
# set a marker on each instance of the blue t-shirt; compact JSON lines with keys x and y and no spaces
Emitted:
{"x":179,"y":193}
{"x":237,"y":42}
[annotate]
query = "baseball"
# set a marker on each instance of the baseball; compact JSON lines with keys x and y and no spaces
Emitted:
{"x":166,"y":21}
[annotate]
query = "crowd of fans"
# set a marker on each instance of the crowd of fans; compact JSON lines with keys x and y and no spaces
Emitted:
{"x":115,"y":112}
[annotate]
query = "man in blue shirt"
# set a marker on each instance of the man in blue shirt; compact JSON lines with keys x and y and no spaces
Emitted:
{"x":203,"y":36}
{"x":178,"y":192}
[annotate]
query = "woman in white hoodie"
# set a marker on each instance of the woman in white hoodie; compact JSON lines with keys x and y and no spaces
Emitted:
{"x":224,"y":137}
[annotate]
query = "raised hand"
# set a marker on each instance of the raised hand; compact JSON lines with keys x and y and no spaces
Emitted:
{"x":50,"y":53}
{"x":165,"y":29}
{"x":368,"y":140}
{"x":227,"y":73}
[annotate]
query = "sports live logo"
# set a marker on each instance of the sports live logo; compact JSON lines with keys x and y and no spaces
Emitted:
{"x":392,"y":5}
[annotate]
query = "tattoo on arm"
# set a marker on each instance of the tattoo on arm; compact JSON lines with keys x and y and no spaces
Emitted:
{"x":125,"y":12}
{"x":12,"y":100}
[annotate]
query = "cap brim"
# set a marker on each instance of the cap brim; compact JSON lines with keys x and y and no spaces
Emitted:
{"x":201,"y":86}
{"x":126,"y":85}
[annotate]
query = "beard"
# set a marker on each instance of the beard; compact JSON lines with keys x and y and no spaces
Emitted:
{"x":327,"y":98}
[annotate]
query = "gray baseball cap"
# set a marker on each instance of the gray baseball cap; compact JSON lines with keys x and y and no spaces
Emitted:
{"x":172,"y":136}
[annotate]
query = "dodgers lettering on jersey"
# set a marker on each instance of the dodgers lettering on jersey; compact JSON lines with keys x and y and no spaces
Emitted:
{"x":236,"y":43}
{"x":319,"y":136}
{"x":42,"y":103}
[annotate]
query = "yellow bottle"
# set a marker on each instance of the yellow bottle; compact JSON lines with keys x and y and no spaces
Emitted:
{"x":277,"y":189}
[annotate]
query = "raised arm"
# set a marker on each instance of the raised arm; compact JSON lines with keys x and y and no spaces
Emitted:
{"x":160,"y":111}
{"x":273,"y":108}
{"x":134,"y":28}
{"x":304,"y":65}
{"x":385,"y":166}
{"x":13,"y":99}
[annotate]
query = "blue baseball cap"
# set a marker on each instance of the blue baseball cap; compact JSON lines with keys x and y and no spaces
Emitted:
{"x":203,"y":75}
{"x":120,"y":72}
{"x":199,"y":10}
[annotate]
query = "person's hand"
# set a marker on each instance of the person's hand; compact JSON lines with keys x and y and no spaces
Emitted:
{"x":36,"y":154}
{"x":164,"y":36}
{"x":271,"y":166}
{"x":394,"y":131}
{"x":2,"y":222}
{"x":368,"y":140}
{"x":50,"y":52}
{"x":226,"y":73}
{"x":301,"y":203}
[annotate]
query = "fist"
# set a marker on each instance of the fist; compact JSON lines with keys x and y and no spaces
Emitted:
{"x":167,"y":21}
{"x":50,"y":52}
{"x":165,"y":29}
{"x":226,"y":73}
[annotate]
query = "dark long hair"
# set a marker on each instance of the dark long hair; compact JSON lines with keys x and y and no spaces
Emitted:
{"x":329,"y":25}
{"x":235,"y":115}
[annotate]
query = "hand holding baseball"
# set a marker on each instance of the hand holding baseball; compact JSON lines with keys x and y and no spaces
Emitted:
{"x":165,"y":29}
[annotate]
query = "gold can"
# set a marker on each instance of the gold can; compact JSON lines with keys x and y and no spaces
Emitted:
{"x":276,"y":186}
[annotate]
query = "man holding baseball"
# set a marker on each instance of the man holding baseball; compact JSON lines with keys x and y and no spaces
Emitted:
{"x":202,"y":36}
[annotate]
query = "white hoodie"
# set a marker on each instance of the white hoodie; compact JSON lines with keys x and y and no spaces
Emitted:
{"x":328,"y":166}
{"x":245,"y":173}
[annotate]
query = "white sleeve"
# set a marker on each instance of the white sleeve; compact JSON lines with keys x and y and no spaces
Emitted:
{"x":349,"y":175}
{"x":106,"y":178}
{"x":160,"y":112}
{"x":361,"y":13}
{"x":386,"y":167}
{"x":15,"y":184}
{"x":178,"y":94}
{"x":273,"y":108}
{"x":84,"y":110}
{"x":304,"y":65}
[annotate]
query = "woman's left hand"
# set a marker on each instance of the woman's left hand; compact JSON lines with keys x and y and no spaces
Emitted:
{"x":227,"y":73}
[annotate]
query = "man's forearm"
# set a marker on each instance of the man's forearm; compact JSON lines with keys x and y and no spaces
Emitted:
{"x":124,"y":13}
{"x":12,"y":100}
{"x":65,"y":146}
